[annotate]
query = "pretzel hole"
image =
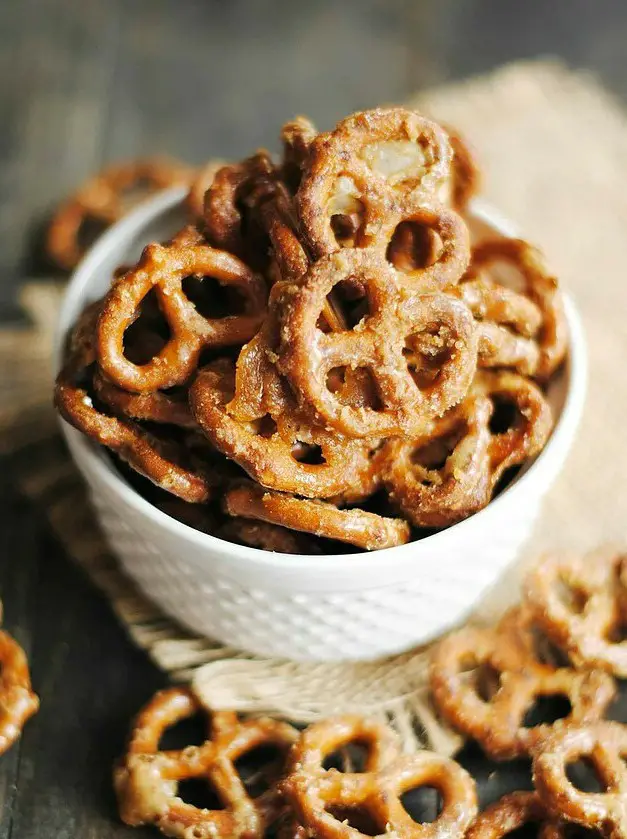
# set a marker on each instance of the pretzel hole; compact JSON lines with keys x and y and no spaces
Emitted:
{"x":259,"y":768}
{"x":345,"y":226}
{"x":350,"y":758}
{"x":358,"y":818}
{"x":213,"y":299}
{"x":265,"y":427}
{"x":529,"y":830}
{"x":190,"y":731}
{"x":307,"y":453}
{"x":572,"y":596}
{"x":504,"y":417}
{"x":427,"y":352}
{"x":200,"y":793}
{"x":547,"y":709}
{"x":149,"y":332}
{"x":90,"y":229}
{"x":350,"y":307}
{"x":434,"y":454}
{"x":584,"y":775}
{"x":480,"y":675}
{"x":355,"y":387}
{"x":423,"y":803}
{"x":413,"y":247}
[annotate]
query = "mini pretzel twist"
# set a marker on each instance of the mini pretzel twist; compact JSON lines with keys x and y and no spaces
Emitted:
{"x":146,"y":779}
{"x":105,"y":199}
{"x":269,"y":449}
{"x":17,"y":701}
{"x":579,"y":603}
{"x":512,"y":812}
{"x":163,"y":268}
{"x":165,"y":462}
{"x":396,"y":317}
{"x":357,"y":527}
{"x":473,"y":456}
{"x":367,"y":168}
{"x":485,"y":680}
{"x":526,"y":331}
{"x":604,"y":746}
{"x":322,"y":797}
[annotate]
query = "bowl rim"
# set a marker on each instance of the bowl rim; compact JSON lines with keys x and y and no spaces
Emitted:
{"x":89,"y":458}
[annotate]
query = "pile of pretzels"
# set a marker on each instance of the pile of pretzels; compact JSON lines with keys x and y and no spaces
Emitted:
{"x":322,"y":349}
{"x":261,"y":777}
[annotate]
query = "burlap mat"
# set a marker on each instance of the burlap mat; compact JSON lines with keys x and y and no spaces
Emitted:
{"x":554,"y":148}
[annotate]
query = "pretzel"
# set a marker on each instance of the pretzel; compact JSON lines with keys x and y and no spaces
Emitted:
{"x":492,"y":712}
{"x":146,"y":780}
{"x":159,"y":407}
{"x":531,"y":338}
{"x":307,"y":355}
{"x":17,"y":701}
{"x":195,"y":200}
{"x":232,"y":204}
{"x":266,"y":537}
{"x":357,"y":527}
{"x":372,"y":162}
{"x":322,"y":799}
{"x":163,"y":268}
{"x":579,"y":603}
{"x":602,"y":744}
{"x":104,"y":199}
{"x":451,"y":471}
{"x":165,"y":462}
{"x":266,"y":449}
{"x":296,"y":139}
{"x":512,"y":812}
{"x":466,"y":180}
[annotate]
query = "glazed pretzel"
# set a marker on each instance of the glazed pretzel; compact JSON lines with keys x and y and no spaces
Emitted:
{"x":515,"y":678}
{"x":146,"y":779}
{"x":17,"y":701}
{"x":232,"y":204}
{"x":296,"y":138}
{"x":195,"y":200}
{"x":159,"y":407}
{"x":466,"y":176}
{"x":451,"y":471}
{"x":579,"y":603}
{"x":267,"y":449}
{"x":165,"y":462}
{"x":163,"y":268}
{"x":316,"y":794}
{"x":512,"y":812}
{"x":604,"y":745}
{"x":105,"y":199}
{"x":532,"y":338}
{"x":357,"y":527}
{"x":370,"y":165}
{"x":307,"y":355}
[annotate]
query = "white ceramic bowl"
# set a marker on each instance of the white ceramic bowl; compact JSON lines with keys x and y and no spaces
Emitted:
{"x":354,"y":606}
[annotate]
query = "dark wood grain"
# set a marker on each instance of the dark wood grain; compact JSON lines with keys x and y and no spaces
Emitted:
{"x":87,"y":81}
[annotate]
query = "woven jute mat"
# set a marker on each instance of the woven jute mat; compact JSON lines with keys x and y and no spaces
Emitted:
{"x":553,"y":145}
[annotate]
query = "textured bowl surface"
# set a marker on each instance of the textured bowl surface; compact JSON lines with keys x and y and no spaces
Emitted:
{"x":354,"y":606}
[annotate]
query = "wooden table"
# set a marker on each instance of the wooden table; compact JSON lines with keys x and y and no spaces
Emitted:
{"x":83,"y":82}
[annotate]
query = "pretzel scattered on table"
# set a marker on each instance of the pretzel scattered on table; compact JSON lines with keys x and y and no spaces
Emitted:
{"x":322,"y":799}
{"x":17,"y":701}
{"x":491,"y":706}
{"x":604,"y":746}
